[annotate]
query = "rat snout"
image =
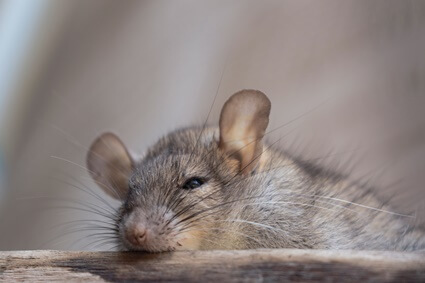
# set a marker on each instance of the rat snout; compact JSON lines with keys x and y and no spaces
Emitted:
{"x":136,"y":234}
{"x":148,"y":230}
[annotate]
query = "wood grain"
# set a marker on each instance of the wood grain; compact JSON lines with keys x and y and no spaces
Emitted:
{"x":204,"y":266}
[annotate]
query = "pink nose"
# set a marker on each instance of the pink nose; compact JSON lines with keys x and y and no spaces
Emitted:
{"x":137,"y":234}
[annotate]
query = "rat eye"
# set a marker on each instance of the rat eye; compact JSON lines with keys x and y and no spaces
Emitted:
{"x":193,"y":183}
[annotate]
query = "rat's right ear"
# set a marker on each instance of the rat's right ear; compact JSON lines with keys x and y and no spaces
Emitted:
{"x":110,"y":165}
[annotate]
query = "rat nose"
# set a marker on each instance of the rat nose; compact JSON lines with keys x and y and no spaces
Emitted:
{"x":137,"y":235}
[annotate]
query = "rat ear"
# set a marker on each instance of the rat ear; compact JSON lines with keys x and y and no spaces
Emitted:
{"x":243,"y":122}
{"x":110,"y":165}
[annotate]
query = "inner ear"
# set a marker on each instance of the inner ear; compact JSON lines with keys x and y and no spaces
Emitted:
{"x":110,"y":165}
{"x":243,"y":122}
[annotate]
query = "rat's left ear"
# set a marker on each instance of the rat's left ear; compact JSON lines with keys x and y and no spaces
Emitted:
{"x":110,"y":165}
{"x":243,"y":122}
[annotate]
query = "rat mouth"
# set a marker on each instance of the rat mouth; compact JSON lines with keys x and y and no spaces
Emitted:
{"x":154,"y":245}
{"x":151,"y":232}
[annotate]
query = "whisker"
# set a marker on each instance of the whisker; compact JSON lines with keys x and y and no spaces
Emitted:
{"x":116,"y":247}
{"x":208,"y":116}
{"x":99,"y":243}
{"x":93,"y":207}
{"x":274,"y":229}
{"x":91,"y":193}
{"x":85,"y":210}
{"x":83,"y":221}
{"x":87,"y":170}
{"x":94,"y":236}
{"x":64,"y":234}
{"x":71,"y":162}
{"x":369,"y":207}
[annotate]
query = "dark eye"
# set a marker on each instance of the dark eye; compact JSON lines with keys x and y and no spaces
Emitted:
{"x":193,"y":183}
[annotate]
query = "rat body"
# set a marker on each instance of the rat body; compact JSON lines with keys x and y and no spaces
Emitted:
{"x":222,"y":188}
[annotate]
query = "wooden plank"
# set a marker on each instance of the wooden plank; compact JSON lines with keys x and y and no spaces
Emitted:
{"x":204,"y":266}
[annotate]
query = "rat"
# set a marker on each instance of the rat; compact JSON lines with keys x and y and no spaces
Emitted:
{"x":203,"y":188}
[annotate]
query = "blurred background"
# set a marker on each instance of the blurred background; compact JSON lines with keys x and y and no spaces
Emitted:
{"x":70,"y":70}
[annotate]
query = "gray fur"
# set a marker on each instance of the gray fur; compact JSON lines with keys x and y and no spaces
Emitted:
{"x":284,"y":203}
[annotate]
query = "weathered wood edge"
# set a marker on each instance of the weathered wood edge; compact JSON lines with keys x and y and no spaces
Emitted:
{"x":244,"y":265}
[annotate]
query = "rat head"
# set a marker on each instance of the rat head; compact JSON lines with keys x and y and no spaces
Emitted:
{"x":176,"y":195}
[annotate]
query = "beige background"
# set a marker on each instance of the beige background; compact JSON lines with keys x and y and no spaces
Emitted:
{"x":142,"y":68}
